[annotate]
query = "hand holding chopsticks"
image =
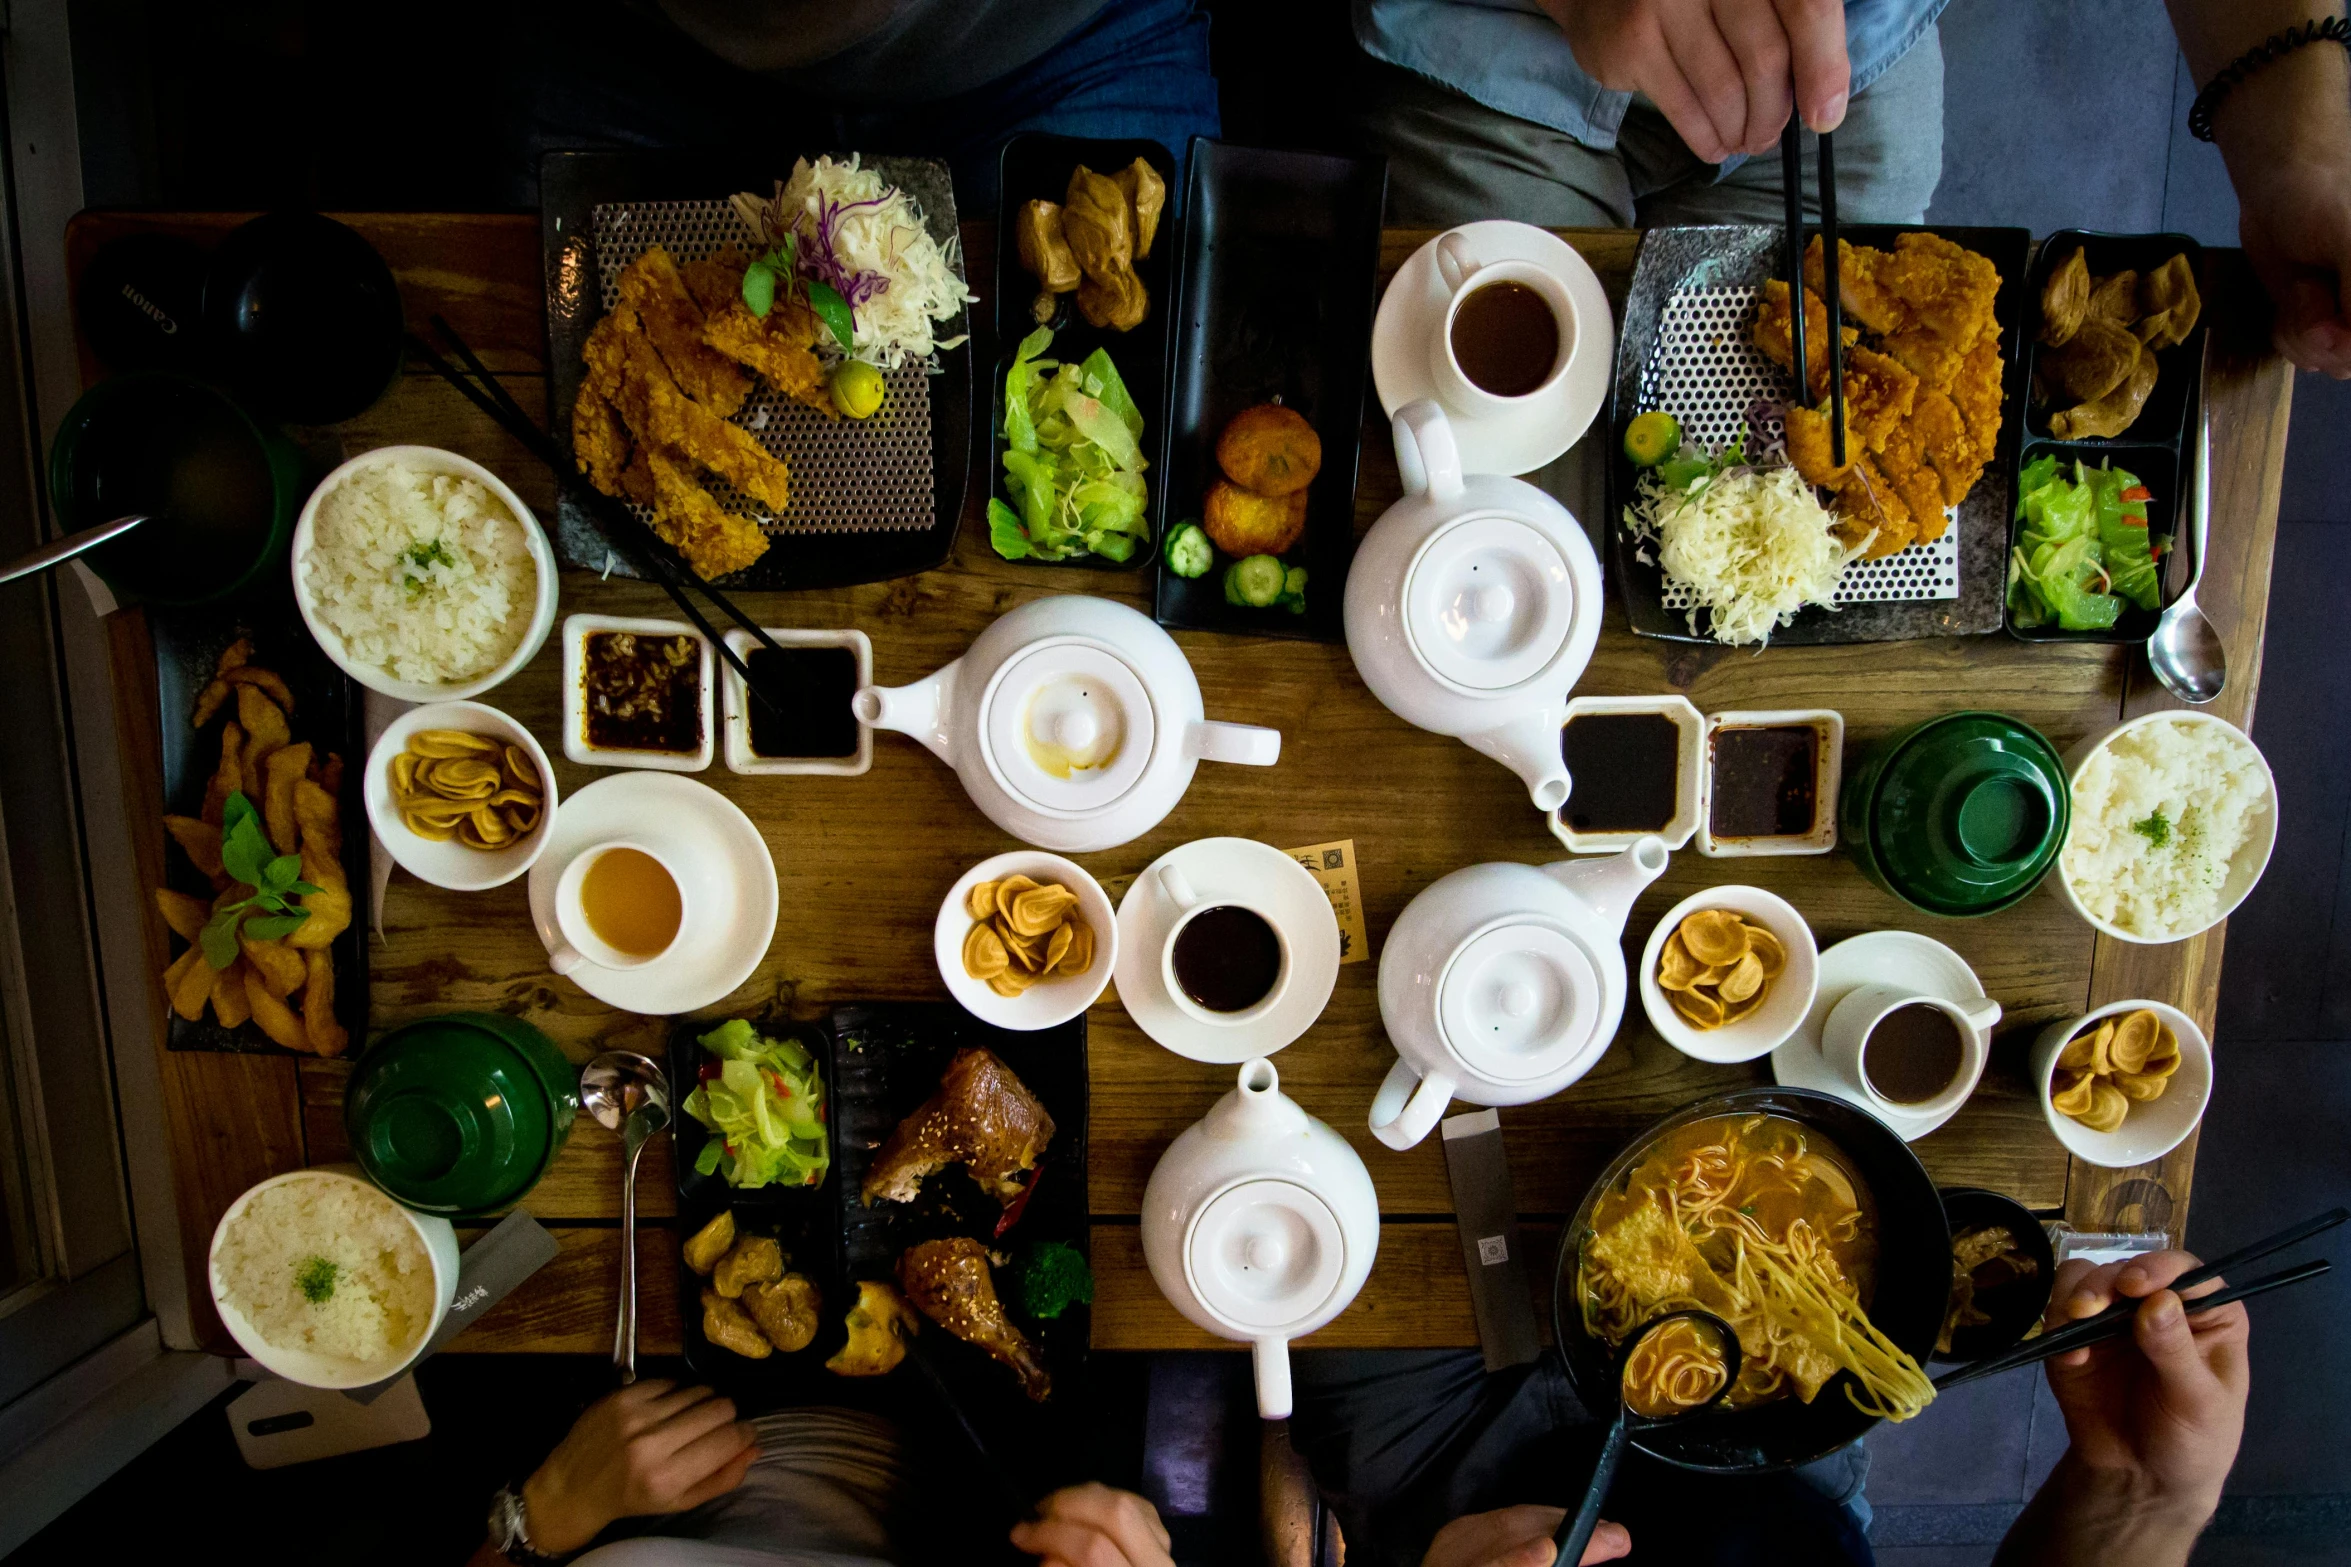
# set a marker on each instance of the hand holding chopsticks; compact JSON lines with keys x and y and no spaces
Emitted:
{"x":1792,"y":187}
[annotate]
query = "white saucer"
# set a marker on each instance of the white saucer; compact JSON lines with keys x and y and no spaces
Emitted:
{"x":1550,"y":423}
{"x":1880,"y":957}
{"x":1221,"y":868}
{"x":723,"y":866}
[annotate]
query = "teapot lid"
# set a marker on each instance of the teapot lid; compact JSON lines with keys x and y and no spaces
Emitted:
{"x":1516,"y":1000}
{"x":1265,"y":1253}
{"x":1488,"y":602}
{"x":1069,"y":727}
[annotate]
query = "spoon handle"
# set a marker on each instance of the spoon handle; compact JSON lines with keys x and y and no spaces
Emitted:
{"x":624,"y":1332}
{"x":1575,"y":1530}
{"x":68,"y":547}
{"x":2200,"y":492}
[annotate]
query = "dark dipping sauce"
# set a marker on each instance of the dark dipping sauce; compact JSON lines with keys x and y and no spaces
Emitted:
{"x":1766,"y":782}
{"x":644,"y":692}
{"x":1506,"y":339}
{"x":812,"y":687}
{"x":1624,"y":771}
{"x":1227,"y":958}
{"x":184,"y":455}
{"x":1913,"y":1053}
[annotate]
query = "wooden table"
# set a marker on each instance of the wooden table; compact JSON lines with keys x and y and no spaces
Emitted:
{"x":862,"y":862}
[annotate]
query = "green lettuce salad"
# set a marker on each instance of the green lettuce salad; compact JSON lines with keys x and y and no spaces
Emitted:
{"x":2083,"y":552}
{"x":1073,"y":459}
{"x":764,"y":1102}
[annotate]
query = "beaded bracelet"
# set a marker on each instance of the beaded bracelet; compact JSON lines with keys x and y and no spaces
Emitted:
{"x":2275,"y":47}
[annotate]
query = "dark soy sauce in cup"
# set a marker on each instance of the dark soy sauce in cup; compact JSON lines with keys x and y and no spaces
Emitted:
{"x":1913,"y":1054}
{"x":1227,"y":958}
{"x":1506,"y":339}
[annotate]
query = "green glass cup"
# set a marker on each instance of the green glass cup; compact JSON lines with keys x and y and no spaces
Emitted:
{"x":1961,"y":815}
{"x":460,"y":1114}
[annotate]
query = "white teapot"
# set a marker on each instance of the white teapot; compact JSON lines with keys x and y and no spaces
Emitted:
{"x":1473,"y":605}
{"x":1260,"y":1224}
{"x":1504,"y":983}
{"x":1075,"y":723}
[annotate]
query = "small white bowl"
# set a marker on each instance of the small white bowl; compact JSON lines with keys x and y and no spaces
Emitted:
{"x":1056,"y":1000}
{"x":576,"y":631}
{"x":1828,"y":768}
{"x":1766,"y":1028}
{"x":315,"y":1370}
{"x":450,"y":863}
{"x":2151,"y":1130}
{"x":433,"y":460}
{"x":2252,"y":857}
{"x":1689,"y":788}
{"x":742,"y":759}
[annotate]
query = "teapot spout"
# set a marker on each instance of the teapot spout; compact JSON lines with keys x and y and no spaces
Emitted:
{"x":920,"y":710}
{"x":1256,"y":1107}
{"x":1609,"y":886}
{"x":1529,"y":747}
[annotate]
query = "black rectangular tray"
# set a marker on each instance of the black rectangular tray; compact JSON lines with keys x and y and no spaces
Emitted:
{"x":2159,"y":468}
{"x":572,"y":185}
{"x":1280,"y":274}
{"x":1036,"y":167}
{"x":1671,"y":258}
{"x":328,"y":712}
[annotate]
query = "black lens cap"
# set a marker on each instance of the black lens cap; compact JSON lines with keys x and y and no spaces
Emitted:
{"x":139,"y":303}
{"x":302,"y":318}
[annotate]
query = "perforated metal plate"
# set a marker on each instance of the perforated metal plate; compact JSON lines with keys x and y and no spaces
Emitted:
{"x":1705,"y":370}
{"x":848,"y":476}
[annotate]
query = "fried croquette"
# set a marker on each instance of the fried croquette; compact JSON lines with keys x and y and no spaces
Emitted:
{"x":1269,"y":449}
{"x":1244,"y":523}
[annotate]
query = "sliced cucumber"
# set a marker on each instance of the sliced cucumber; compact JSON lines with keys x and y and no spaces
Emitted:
{"x":1188,"y":552}
{"x":1255,"y":582}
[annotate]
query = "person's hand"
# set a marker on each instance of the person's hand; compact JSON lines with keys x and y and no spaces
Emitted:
{"x":1517,"y":1537}
{"x":2165,"y":1406}
{"x":2286,"y":133}
{"x":1723,"y":72}
{"x":652,"y":1447}
{"x":1095,"y":1526}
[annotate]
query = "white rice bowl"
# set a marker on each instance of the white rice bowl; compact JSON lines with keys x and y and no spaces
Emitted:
{"x":2173,"y":820}
{"x":425,"y":576}
{"x":326,"y":1269}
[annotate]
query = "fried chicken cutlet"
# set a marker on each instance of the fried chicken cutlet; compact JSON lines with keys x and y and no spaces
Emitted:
{"x":1771,"y":335}
{"x":660,"y":413}
{"x":781,"y":348}
{"x":652,"y":287}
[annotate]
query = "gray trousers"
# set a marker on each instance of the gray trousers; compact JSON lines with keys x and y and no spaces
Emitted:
{"x":1453,"y":160}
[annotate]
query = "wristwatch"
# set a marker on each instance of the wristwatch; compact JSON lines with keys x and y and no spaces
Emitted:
{"x":510,"y":1530}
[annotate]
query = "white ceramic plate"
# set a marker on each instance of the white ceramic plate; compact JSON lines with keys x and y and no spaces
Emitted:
{"x":728,"y":877}
{"x":450,"y":863}
{"x":1040,"y":1006}
{"x":1550,"y":423}
{"x":1879,"y":957}
{"x":2150,"y":1130}
{"x":1218,"y":869}
{"x":1784,"y":1008}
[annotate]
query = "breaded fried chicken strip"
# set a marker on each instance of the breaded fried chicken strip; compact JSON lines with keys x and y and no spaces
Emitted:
{"x":1904,"y":466}
{"x":599,"y":440}
{"x":1869,"y":501}
{"x":1811,"y":450}
{"x":1771,"y":336}
{"x":654,"y":289}
{"x":781,"y":348}
{"x":716,"y":281}
{"x":714,"y":540}
{"x":1879,"y":394}
{"x":660,"y":413}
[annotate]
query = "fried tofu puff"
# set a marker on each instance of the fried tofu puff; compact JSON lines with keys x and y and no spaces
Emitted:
{"x":1244,"y":523}
{"x":753,"y":1259}
{"x":1269,"y":449}
{"x":726,"y":1324}
{"x":786,"y":1311}
{"x":711,"y":1242}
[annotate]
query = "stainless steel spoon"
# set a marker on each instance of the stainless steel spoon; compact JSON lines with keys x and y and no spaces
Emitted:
{"x":2185,"y":651}
{"x":71,"y":545}
{"x":628,"y":1094}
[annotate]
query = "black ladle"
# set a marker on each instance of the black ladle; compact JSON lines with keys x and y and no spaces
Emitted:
{"x":1575,"y":1530}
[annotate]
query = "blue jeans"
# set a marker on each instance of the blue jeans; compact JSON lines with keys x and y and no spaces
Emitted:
{"x":613,"y":77}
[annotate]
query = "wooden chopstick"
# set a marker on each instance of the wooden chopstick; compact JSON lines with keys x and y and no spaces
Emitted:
{"x":1792,"y":187}
{"x":1828,"y":269}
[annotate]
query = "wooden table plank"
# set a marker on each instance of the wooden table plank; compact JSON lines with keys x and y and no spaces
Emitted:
{"x":568,"y":1307}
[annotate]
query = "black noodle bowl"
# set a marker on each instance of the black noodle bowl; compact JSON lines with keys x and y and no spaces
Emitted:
{"x":1912,"y":1286}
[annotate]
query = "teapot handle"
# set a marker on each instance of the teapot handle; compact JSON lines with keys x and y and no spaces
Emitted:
{"x":1271,"y":1357}
{"x":1408,"y":1106}
{"x":1427,"y":457}
{"x":1251,"y":745}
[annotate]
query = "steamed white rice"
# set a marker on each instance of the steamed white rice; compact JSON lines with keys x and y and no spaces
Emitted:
{"x":425,"y":576}
{"x":2160,"y":813}
{"x":330,"y":1267}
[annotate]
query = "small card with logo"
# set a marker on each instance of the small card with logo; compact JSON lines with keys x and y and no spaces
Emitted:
{"x":1487,"y":1213}
{"x":487,"y":1273}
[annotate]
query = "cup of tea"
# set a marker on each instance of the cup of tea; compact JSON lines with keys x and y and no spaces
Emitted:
{"x":1224,"y":961}
{"x":1506,"y":335}
{"x":618,"y":906}
{"x":1908,"y":1053}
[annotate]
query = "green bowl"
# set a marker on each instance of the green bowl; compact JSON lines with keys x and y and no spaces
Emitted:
{"x":460,"y":1114}
{"x":1961,"y":815}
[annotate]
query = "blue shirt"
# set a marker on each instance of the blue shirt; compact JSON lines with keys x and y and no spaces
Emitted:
{"x":1511,"y":57}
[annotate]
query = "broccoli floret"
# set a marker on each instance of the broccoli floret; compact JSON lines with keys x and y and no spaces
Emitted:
{"x":1053,"y":1277}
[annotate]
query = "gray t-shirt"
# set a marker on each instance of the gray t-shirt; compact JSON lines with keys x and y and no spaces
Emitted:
{"x":818,"y":1495}
{"x":881,"y":51}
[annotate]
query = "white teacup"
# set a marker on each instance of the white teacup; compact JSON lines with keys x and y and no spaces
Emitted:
{"x":580,"y":944}
{"x":1844,"y":1039}
{"x":1191,"y":905}
{"x":1463,"y":274}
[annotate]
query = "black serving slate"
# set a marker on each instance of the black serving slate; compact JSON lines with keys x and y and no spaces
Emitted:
{"x":1676,"y":258}
{"x":1279,"y":278}
{"x":571,"y":186}
{"x":327,"y":712}
{"x":1037,"y":167}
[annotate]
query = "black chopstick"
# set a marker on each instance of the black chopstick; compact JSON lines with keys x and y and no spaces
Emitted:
{"x":2098,"y":1329}
{"x":1828,"y":271}
{"x":1792,"y":187}
{"x":1009,"y":1489}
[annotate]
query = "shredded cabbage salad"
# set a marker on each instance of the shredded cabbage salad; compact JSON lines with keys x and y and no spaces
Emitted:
{"x":764,"y":1102}
{"x":864,"y":238}
{"x":1073,"y":459}
{"x":1753,"y":544}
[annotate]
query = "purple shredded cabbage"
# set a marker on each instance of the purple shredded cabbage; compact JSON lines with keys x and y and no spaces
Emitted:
{"x":819,"y":262}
